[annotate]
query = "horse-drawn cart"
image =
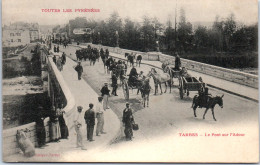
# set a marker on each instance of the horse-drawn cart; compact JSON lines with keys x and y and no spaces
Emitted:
{"x":187,"y":84}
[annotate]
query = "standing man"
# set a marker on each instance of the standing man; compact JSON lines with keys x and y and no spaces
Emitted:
{"x":105,"y":94}
{"x":128,"y":120}
{"x":114,"y":84}
{"x":78,"y":123}
{"x":100,"y":117}
{"x":90,"y":121}
{"x":55,"y":49}
{"x":58,"y":49}
{"x":63,"y":57}
{"x":79,"y":69}
{"x":54,"y":59}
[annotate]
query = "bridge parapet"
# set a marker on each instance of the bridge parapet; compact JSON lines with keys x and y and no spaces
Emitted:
{"x":215,"y":71}
{"x":56,"y":86}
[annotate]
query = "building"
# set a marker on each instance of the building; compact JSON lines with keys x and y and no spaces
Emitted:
{"x":20,"y":33}
{"x":15,"y":37}
{"x":34,"y":35}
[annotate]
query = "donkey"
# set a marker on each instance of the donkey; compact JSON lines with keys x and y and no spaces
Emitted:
{"x":208,"y":103}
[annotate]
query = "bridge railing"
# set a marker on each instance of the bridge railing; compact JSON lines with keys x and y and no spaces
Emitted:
{"x":69,"y":100}
{"x":10,"y":146}
{"x":215,"y":71}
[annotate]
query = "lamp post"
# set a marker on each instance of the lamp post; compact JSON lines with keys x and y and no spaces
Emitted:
{"x":99,"y":38}
{"x":117,"y":39}
{"x":156,"y":34}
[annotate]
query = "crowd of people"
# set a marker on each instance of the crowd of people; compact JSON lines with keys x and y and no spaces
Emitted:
{"x":92,"y":54}
{"x":59,"y":60}
{"x":93,"y":113}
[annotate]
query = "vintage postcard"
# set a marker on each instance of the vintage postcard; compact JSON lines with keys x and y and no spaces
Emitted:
{"x":157,"y":81}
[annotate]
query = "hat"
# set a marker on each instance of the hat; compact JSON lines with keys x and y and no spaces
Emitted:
{"x":105,"y":83}
{"x":127,"y":103}
{"x":79,"y":107}
{"x":100,"y":98}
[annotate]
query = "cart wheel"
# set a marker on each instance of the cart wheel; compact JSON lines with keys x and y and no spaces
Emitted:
{"x":125,"y":89}
{"x":181,"y":88}
{"x":188,"y":93}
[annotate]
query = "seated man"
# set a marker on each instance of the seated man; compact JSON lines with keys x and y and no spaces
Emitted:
{"x":203,"y":96}
{"x":141,"y":76}
{"x":184,"y":72}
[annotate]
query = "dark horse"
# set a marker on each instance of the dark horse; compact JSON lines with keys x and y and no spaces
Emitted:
{"x":130,"y":58}
{"x":209,"y":104}
{"x":145,"y":89}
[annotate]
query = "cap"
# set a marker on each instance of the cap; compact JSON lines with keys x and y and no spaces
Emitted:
{"x":105,"y":83}
{"x":127,"y":103}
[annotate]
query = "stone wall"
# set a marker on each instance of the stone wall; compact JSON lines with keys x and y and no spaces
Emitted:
{"x":10,"y":146}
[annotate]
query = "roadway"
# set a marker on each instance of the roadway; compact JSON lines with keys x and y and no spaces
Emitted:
{"x":168,"y":115}
{"x":158,"y":139}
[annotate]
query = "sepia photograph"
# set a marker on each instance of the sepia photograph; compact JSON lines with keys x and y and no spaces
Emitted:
{"x":130,"y":81}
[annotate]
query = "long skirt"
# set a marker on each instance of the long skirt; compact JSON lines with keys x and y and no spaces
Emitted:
{"x":55,"y":131}
{"x":63,"y":128}
{"x":128,"y":132}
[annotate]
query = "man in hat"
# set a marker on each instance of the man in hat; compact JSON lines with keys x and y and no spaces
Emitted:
{"x":105,"y":94}
{"x":63,"y":57}
{"x":90,"y":121}
{"x":54,"y":59}
{"x":128,"y":120}
{"x":100,"y":117}
{"x":78,"y":123}
{"x":79,"y":69}
{"x":114,"y":84}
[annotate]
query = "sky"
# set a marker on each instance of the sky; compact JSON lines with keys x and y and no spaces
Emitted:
{"x":245,"y":11}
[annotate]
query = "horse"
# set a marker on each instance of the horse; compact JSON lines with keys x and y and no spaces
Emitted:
{"x":209,"y":104}
{"x":145,"y":89}
{"x":159,"y":79}
{"x":138,"y":60}
{"x":130,"y":58}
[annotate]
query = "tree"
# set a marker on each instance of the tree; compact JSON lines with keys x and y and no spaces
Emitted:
{"x":148,"y":34}
{"x":201,"y":37}
{"x":130,"y":37}
{"x":184,"y":32}
{"x":217,"y":34}
{"x":229,"y":29}
{"x":114,"y":24}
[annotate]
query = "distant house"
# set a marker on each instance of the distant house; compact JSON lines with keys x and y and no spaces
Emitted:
{"x":34,"y":35}
{"x":15,"y":37}
{"x":20,"y":33}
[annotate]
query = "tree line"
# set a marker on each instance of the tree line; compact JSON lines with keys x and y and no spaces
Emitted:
{"x":226,"y":39}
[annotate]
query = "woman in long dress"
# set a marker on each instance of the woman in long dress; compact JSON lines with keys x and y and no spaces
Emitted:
{"x":63,"y":127}
{"x":55,"y":134}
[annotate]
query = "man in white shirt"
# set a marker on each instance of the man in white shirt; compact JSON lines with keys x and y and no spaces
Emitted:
{"x":78,"y":123}
{"x":100,"y":117}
